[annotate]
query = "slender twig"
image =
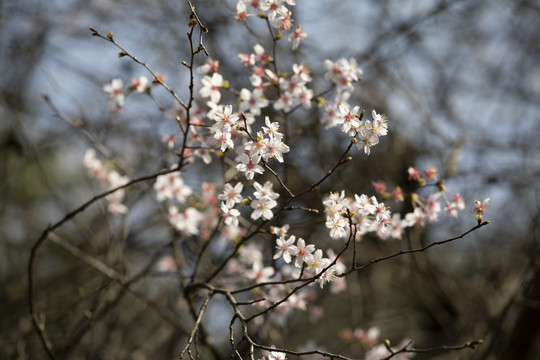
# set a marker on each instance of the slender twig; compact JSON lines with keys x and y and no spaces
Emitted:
{"x":406,"y":349}
{"x":197,"y":323}
{"x":412,"y":251}
{"x":124,"y":52}
{"x":79,"y":124}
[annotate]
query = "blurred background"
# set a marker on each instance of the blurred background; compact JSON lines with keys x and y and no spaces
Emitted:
{"x":458,"y":80}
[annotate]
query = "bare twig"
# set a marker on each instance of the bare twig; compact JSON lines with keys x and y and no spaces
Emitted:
{"x":124,"y":52}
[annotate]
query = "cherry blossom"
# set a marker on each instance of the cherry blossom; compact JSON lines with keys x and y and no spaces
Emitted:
{"x":286,"y":248}
{"x":349,"y":119}
{"x":304,"y":252}
{"x":211,"y":66}
{"x":110,"y":178}
{"x":259,"y":274}
{"x":249,"y":165}
{"x":231,"y":195}
{"x":116,"y":91}
{"x":211,"y":87}
{"x":263,"y":208}
{"x":230,"y":215}
{"x":171,"y":186}
{"x":296,"y":36}
{"x":187,"y":222}
{"x":139,"y":84}
{"x":252,"y":101}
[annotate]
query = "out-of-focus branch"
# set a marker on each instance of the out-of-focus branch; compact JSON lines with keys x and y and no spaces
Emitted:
{"x":444,"y":348}
{"x":36,"y":318}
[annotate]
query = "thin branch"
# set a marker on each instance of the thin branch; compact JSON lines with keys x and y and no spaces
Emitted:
{"x":124,"y":52}
{"x":197,"y":323}
{"x":422,"y":249}
{"x":406,"y":349}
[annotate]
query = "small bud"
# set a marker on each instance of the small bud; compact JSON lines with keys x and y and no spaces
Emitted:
{"x":441,"y":186}
{"x":225,"y":84}
{"x":354,"y":140}
{"x":349,"y":158}
{"x":421,"y":182}
{"x":193,"y":21}
{"x":387,"y":345}
{"x":110,"y":35}
{"x":261,"y":15}
{"x":121,"y":54}
{"x":479,"y":218}
{"x":279,"y":35}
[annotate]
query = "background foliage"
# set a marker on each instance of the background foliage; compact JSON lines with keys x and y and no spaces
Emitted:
{"x":458,"y":79}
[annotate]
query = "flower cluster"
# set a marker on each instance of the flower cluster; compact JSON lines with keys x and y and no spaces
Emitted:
{"x":310,"y":259}
{"x":171,"y":188}
{"x":116,"y":91}
{"x":365,"y":132}
{"x":277,"y":13}
{"x":369,"y":339}
{"x":480,"y":208}
{"x":116,"y":94}
{"x":430,"y":207}
{"x":363,"y":214}
{"x":268,"y":144}
{"x":265,"y":201}
{"x":110,"y":178}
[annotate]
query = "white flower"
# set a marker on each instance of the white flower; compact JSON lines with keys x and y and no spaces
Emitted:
{"x":115,"y":89}
{"x":304,"y":252}
{"x":264,"y":191}
{"x":223,"y":138}
{"x":211,"y":86}
{"x":349,"y":119}
{"x":249,"y":165}
{"x":337,"y":225}
{"x":230,"y":215}
{"x":286,"y":248}
{"x":296,"y":36}
{"x":231,"y":195}
{"x":259,"y":273}
{"x":252,"y":101}
{"x":263,"y":208}
{"x":139,"y":84}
